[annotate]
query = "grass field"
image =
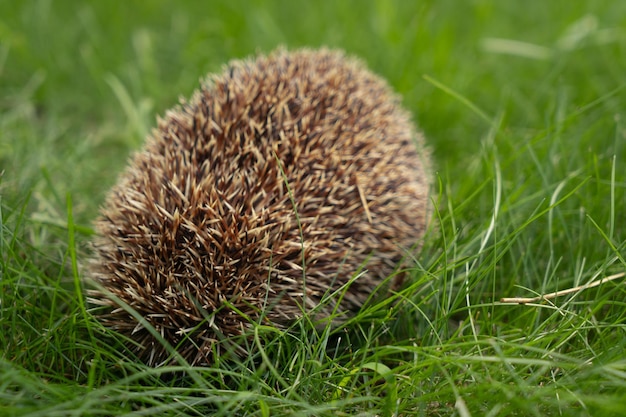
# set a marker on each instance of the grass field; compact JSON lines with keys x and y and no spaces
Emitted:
{"x":523,"y":104}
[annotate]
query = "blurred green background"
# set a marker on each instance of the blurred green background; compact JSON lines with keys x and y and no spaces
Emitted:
{"x":82,"y":82}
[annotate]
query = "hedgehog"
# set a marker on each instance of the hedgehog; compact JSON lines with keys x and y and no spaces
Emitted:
{"x":290,"y":184}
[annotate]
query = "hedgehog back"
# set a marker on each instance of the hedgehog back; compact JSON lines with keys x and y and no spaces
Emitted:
{"x":269,"y":189}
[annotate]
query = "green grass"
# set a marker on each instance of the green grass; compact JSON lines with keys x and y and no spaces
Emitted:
{"x":523,"y":104}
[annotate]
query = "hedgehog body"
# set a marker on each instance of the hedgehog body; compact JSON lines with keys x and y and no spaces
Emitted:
{"x":268,"y":190}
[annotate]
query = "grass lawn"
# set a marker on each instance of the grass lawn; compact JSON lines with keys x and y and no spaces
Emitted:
{"x":523,"y":104}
